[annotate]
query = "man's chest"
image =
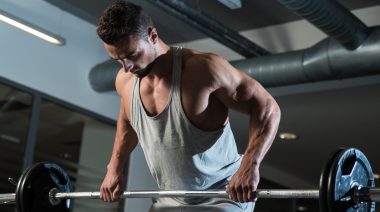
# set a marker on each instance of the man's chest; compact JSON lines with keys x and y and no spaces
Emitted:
{"x":200,"y":106}
{"x":193,"y":97}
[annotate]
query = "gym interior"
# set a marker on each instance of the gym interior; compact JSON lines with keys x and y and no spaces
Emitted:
{"x":58,"y":101}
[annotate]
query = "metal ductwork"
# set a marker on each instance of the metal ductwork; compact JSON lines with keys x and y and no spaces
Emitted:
{"x":330,"y":59}
{"x":102,"y":76}
{"x":211,"y":27}
{"x":332,"y":18}
{"x":327,"y":60}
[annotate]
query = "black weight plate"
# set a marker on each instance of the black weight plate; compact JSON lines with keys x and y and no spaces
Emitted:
{"x":323,"y":180}
{"x":20,"y":190}
{"x":32,"y":192}
{"x":349,"y":169}
{"x":330,"y":186}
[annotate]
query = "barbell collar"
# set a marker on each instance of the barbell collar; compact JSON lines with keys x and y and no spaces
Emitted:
{"x":374,"y":194}
{"x":367,"y":194}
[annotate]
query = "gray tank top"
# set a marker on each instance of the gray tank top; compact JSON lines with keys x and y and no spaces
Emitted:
{"x":180,"y":155}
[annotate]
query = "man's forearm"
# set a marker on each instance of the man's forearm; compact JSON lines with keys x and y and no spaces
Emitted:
{"x":124,"y":144}
{"x":263,"y":130}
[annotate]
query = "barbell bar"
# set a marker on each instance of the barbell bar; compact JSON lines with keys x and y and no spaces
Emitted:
{"x":365,"y":193}
{"x":346,"y":184}
{"x":285,"y":193}
{"x":54,"y":194}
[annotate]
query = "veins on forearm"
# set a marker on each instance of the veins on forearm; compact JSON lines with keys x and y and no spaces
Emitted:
{"x":263,"y":128}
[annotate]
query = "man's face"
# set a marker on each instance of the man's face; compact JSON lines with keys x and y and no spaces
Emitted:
{"x":132,"y":53}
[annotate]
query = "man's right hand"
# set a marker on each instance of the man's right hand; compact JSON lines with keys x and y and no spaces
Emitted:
{"x":112,"y":186}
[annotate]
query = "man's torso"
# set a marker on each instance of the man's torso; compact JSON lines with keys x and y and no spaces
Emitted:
{"x":199,"y":100}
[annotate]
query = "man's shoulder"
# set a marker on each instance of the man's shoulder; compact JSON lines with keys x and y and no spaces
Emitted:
{"x":202,"y":63}
{"x":196,"y":58}
{"x":123,"y":80}
{"x":203,"y":68}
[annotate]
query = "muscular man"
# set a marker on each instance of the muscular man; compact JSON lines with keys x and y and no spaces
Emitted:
{"x":174,"y":103}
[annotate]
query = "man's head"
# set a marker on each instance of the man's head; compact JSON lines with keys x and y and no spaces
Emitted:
{"x":123,"y":19}
{"x":129,"y":36}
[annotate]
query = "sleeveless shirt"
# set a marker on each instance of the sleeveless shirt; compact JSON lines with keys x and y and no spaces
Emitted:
{"x":181,"y":156}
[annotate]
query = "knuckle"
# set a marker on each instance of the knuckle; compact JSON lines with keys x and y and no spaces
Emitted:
{"x":237,"y":187}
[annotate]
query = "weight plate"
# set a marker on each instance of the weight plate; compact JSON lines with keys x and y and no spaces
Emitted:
{"x":323,"y":181}
{"x":348,"y":169}
{"x":32,"y":192}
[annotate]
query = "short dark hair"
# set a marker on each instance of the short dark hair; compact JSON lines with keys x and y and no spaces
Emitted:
{"x":122,"y":19}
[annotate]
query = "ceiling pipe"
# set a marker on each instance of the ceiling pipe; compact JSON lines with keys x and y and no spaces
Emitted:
{"x":332,"y":18}
{"x":102,"y":76}
{"x":326,"y":60}
{"x":336,"y":57}
{"x":211,"y":27}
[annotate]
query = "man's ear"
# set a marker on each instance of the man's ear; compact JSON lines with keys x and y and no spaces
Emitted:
{"x":153,"y":36}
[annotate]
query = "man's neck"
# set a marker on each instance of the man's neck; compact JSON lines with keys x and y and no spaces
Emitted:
{"x":162,"y":48}
{"x":162,"y":64}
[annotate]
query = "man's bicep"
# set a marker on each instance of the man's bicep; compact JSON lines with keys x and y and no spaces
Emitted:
{"x":236,"y":100}
{"x":125,"y":138}
{"x":124,"y":126}
{"x":122,"y":117}
{"x":236,"y":89}
{"x":251,"y":98}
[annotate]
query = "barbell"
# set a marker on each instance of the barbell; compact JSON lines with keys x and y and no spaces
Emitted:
{"x":346,"y":184}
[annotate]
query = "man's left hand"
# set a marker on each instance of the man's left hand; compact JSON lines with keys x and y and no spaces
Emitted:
{"x":244,"y":183}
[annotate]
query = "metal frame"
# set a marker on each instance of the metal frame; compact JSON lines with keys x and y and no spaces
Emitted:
{"x":31,"y":140}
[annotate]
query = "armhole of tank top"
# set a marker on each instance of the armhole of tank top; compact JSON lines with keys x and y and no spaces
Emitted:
{"x":133,"y":104}
{"x":176,"y":78}
{"x":179,"y":104}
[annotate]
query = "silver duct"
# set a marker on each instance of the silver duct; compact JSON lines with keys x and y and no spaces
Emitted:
{"x":327,"y":60}
{"x":211,"y":27}
{"x":102,"y":76}
{"x":332,"y":18}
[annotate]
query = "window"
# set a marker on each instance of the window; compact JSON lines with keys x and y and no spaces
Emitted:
{"x":15,"y":111}
{"x":35,"y":127}
{"x":79,"y":144}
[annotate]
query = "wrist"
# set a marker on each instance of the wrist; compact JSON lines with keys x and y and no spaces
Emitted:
{"x":115,"y":166}
{"x":251,"y":161}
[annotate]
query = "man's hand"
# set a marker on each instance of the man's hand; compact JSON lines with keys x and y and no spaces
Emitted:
{"x":112,"y":186}
{"x":244,"y":183}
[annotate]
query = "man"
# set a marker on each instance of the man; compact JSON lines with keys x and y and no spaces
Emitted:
{"x":175,"y":102}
